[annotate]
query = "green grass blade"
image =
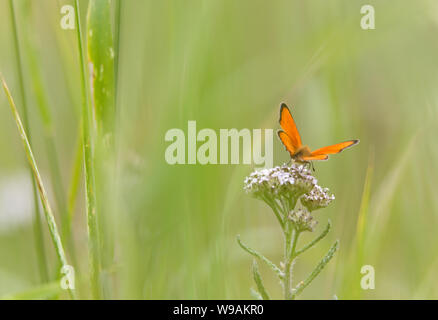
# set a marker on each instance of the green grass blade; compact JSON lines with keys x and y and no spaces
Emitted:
{"x":90,"y":182}
{"x":101,"y":54}
{"x":43,"y":194}
{"x":101,"y":63}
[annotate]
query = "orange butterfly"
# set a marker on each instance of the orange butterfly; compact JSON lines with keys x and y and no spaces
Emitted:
{"x":291,"y":139}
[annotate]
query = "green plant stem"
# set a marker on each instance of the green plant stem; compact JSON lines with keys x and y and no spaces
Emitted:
{"x":39,"y":240}
{"x":43,"y":195}
{"x":287,"y":273}
{"x":90,"y":184}
{"x":291,"y":239}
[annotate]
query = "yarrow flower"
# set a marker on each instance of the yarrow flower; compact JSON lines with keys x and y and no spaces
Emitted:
{"x":281,"y":188}
{"x":280,"y":183}
{"x":317,"y":198}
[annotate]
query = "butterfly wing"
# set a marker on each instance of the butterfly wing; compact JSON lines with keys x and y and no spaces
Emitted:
{"x":317,"y":157}
{"x":287,"y":123}
{"x":287,"y":142}
{"x":335,"y":148}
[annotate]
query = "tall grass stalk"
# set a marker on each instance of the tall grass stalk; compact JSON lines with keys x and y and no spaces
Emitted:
{"x":88,"y":136}
{"x":100,"y":57}
{"x":39,"y":240}
{"x":39,"y":182}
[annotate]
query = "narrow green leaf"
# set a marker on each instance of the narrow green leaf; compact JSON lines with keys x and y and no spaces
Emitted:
{"x":101,"y":59}
{"x":101,"y":64}
{"x":303,"y":284}
{"x":258,"y":255}
{"x":90,"y":183}
{"x":258,"y":281}
{"x":315,"y":241}
{"x":39,"y":182}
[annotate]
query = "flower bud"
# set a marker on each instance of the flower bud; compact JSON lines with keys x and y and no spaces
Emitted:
{"x":302,"y":220}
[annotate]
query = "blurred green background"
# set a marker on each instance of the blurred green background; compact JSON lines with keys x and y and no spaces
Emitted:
{"x":229,"y":64}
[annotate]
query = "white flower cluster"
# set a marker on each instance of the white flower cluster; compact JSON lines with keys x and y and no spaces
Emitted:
{"x":317,"y":198}
{"x":294,"y":180}
{"x":281,"y":187}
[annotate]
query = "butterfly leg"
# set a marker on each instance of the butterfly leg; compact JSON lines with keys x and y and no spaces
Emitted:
{"x":309,"y":165}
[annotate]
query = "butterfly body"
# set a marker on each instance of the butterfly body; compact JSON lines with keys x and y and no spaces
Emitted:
{"x":303,"y":151}
{"x":291,"y":139}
